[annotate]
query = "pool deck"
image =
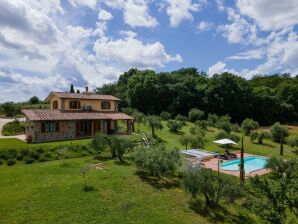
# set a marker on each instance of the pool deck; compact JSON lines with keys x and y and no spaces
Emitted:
{"x":213,"y":164}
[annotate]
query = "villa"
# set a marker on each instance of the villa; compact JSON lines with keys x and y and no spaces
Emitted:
{"x":75,"y":116}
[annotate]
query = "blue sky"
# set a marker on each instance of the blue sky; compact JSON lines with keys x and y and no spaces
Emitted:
{"x":46,"y":45}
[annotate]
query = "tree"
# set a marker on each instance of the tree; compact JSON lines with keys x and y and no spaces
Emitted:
{"x":293,"y":141}
{"x":157,"y":160}
{"x":34,"y":100}
{"x":84,"y":172}
{"x":198,"y":142}
{"x":165,"y":116}
{"x":180,"y":117}
{"x":224,"y":134}
{"x":139,"y":117}
{"x":274,"y":197}
{"x":212,"y":119}
{"x":279,"y":133}
{"x":202,"y":124}
{"x":214,"y":188}
{"x":259,"y":136}
{"x":119,"y":146}
{"x":71,"y":89}
{"x":11,"y":109}
{"x":99,"y":142}
{"x":195,"y":114}
{"x":186,"y":140}
{"x":248,"y":125}
{"x":174,"y":126}
{"x":224,"y":124}
{"x":196,"y":130}
{"x":154,"y":122}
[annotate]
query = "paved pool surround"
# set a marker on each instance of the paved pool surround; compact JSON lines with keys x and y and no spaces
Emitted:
{"x":213,"y":164}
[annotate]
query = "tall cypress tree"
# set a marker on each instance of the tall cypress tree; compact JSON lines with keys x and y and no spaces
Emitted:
{"x":71,"y":88}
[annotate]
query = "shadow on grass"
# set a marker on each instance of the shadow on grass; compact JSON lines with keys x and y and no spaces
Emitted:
{"x":102,"y":158}
{"x":219,"y":214}
{"x":263,"y":144}
{"x":157,"y":182}
{"x":122,"y":163}
{"x":88,"y":189}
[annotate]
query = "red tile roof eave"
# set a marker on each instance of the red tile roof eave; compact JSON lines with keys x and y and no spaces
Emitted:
{"x":91,"y":96}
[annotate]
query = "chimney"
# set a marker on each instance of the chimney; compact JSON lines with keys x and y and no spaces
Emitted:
{"x":86,"y":88}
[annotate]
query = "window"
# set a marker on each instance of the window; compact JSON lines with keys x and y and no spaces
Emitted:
{"x":55,"y":105}
{"x":49,"y":126}
{"x":74,"y":105}
{"x":105,"y":105}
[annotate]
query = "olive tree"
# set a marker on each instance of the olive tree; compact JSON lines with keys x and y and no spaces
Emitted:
{"x":174,"y":125}
{"x":186,"y":140}
{"x":201,"y":181}
{"x":279,"y":133}
{"x":248,"y":125}
{"x":99,"y":143}
{"x":195,"y":114}
{"x":259,"y":136}
{"x":119,"y":146}
{"x":157,"y":160}
{"x":154,"y":122}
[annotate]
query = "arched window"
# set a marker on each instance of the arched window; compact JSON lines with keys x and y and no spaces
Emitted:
{"x":105,"y":105}
{"x":55,"y":105}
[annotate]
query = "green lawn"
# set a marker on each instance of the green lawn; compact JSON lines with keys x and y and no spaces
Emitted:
{"x":51,"y":192}
{"x":269,"y":148}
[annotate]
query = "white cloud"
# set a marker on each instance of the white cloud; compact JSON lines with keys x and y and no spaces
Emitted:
{"x":41,"y":52}
{"x":220,"y":5}
{"x":205,"y":25}
{"x":104,"y":15}
{"x":270,"y":15}
{"x":131,"y":52}
{"x":217,"y":68}
{"x":248,"y":55}
{"x":179,"y":10}
{"x":136,"y":14}
{"x":239,"y":30}
{"x":89,"y":3}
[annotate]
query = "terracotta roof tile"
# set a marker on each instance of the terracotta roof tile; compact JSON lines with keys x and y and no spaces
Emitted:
{"x":50,"y":115}
{"x":89,"y":96}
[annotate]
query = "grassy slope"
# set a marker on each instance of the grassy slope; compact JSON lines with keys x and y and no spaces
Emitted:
{"x":269,"y":148}
{"x":51,"y":192}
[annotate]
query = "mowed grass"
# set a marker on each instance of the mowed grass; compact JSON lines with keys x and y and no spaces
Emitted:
{"x":51,"y":192}
{"x":269,"y":148}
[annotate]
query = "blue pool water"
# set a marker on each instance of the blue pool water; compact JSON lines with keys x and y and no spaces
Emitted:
{"x":251,"y":163}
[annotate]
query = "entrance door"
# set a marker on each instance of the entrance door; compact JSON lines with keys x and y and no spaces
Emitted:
{"x":83,"y":128}
{"x":96,"y":126}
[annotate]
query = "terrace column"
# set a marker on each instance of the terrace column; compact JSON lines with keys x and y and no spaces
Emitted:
{"x":129,"y":126}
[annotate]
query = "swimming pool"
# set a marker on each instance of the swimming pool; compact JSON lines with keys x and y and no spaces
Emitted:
{"x":251,"y":163}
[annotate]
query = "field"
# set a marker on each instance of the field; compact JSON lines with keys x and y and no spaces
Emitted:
{"x":52,"y":192}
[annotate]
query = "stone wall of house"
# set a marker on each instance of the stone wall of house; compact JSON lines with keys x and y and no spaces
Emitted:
{"x":67,"y":131}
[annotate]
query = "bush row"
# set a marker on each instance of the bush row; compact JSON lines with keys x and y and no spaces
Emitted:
{"x":30,"y":155}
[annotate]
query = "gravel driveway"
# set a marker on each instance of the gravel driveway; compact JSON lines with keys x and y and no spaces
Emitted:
{"x":3,"y":121}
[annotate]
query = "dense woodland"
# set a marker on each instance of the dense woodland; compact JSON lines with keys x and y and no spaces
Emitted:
{"x":266,"y":99}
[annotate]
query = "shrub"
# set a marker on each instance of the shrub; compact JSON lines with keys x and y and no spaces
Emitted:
{"x":279,"y":131}
{"x":180,"y":117}
{"x":13,"y":128}
{"x":165,"y":116}
{"x":10,"y":154}
{"x":248,"y":125}
{"x":1,"y":161}
{"x":174,"y":126}
{"x":235,"y":128}
{"x":157,"y":160}
{"x":48,"y":155}
{"x":195,"y":114}
{"x":202,"y":124}
{"x":43,"y":158}
{"x":28,"y":160}
{"x":212,"y":119}
{"x":10,"y":161}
